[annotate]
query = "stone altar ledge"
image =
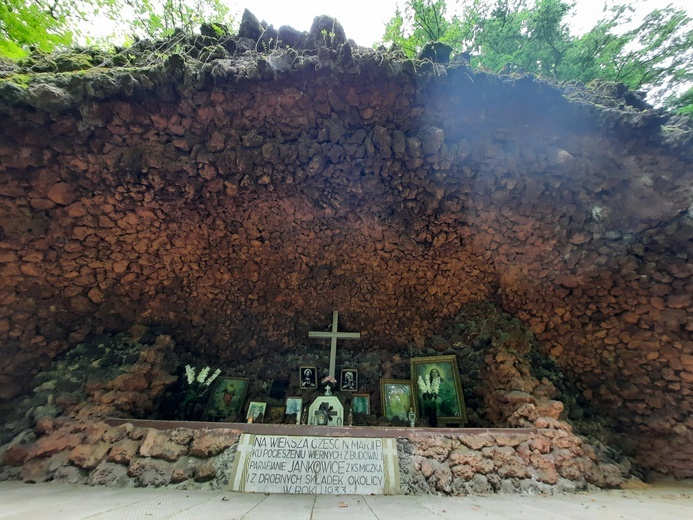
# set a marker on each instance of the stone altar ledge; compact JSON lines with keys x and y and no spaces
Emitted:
{"x":318,"y":431}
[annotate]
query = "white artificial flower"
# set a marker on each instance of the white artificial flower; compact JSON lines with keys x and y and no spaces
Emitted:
{"x":423,"y":386}
{"x":202,"y":375}
{"x":189,"y":374}
{"x":214,"y":376}
{"x":429,"y":387}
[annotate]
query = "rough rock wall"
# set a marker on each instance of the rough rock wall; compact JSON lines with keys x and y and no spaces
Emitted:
{"x":94,"y":453}
{"x":544,"y":461}
{"x":237,"y":205}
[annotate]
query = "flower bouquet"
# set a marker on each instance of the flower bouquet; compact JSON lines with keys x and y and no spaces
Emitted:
{"x":428,"y":388}
{"x":328,"y":382}
{"x":197,"y":390}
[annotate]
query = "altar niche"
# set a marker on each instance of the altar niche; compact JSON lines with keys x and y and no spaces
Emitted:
{"x":316,"y":465}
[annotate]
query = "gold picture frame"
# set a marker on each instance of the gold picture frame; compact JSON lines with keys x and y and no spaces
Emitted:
{"x":450,"y":401}
{"x":396,"y":397}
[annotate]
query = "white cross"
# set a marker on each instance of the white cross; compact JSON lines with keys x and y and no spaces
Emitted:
{"x":334,"y":336}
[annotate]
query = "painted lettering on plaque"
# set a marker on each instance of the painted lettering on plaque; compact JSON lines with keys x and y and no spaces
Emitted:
{"x":314,"y":465}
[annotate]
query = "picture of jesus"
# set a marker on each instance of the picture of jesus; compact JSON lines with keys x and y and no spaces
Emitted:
{"x":227,"y":398}
{"x":308,"y":377}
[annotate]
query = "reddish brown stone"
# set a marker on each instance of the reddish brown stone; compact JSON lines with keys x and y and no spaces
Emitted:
{"x":543,"y":469}
{"x":205,"y":471}
{"x":123,"y":451}
{"x":183,"y":470}
{"x":45,"y":425}
{"x":436,"y":448}
{"x":476,"y":442}
{"x":208,"y":443}
{"x":466,"y":463}
{"x":89,"y":456}
{"x":502,"y":439}
{"x":151,"y":472}
{"x":159,"y":445}
{"x":552,"y":409}
{"x":61,"y":193}
{"x":182,"y":436}
{"x":117,"y":433}
{"x":56,"y":441}
{"x":36,"y":471}
{"x":16,"y":454}
{"x":95,"y":432}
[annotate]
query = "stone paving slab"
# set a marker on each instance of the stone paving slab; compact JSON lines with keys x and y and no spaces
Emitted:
{"x":671,"y":501}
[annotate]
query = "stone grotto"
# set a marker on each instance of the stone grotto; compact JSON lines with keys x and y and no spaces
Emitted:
{"x":209,"y":200}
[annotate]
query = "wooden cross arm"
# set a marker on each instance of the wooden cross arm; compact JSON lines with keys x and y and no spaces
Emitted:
{"x":340,"y":335}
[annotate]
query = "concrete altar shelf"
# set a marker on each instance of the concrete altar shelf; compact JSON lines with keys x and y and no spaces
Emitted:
{"x":307,"y":429}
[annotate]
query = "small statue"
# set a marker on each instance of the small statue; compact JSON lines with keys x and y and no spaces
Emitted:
{"x":350,"y":418}
{"x":305,"y":416}
{"x":412,"y":417}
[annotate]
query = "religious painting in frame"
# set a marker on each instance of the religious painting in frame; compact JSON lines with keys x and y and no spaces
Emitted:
{"x":256,"y":410}
{"x":309,"y":377}
{"x":450,"y":401}
{"x":294,"y":406}
{"x":276,"y":414}
{"x":361,"y":403}
{"x":349,"y":380}
{"x":226,"y":399}
{"x":396,"y":397}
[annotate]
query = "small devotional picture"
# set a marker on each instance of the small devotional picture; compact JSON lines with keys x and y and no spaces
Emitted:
{"x":309,"y":377}
{"x":349,"y":380}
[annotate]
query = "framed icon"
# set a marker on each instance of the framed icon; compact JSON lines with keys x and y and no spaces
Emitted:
{"x":256,"y":410}
{"x":443,"y":374}
{"x":361,"y":403}
{"x":226,"y":399}
{"x":349,"y":380}
{"x":396,"y":397}
{"x":308,"y":377}
{"x":294,"y":406}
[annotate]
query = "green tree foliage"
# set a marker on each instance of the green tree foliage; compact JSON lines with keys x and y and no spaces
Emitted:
{"x":682,"y":103}
{"x":25,"y":23}
{"x":157,"y":18}
{"x":656,"y":54}
{"x":424,"y":21}
{"x":534,"y":36}
{"x":46,"y":25}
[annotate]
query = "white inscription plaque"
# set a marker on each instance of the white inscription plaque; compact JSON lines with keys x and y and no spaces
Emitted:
{"x":316,"y":465}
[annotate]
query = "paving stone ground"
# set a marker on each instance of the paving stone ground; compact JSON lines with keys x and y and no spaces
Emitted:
{"x":666,"y":500}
